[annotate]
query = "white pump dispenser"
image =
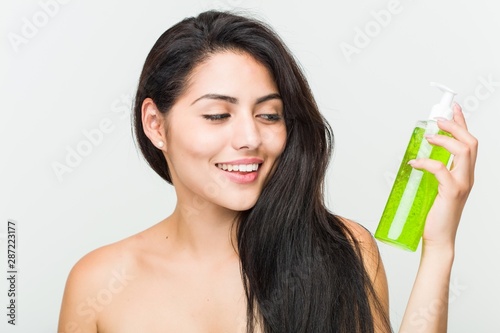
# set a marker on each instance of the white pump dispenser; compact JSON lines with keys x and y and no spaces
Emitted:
{"x":443,"y":108}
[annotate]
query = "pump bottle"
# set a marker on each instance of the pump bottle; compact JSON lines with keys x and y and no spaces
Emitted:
{"x":413,"y":193}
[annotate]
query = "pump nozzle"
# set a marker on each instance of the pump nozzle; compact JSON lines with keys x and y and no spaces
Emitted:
{"x":443,"y":109}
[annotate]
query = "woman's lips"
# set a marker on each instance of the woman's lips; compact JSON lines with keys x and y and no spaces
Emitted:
{"x":241,"y":171}
{"x":241,"y":177}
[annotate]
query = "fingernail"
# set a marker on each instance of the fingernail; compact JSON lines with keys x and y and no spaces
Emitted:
{"x":441,"y":119}
{"x":411,"y":162}
{"x":430,"y":136}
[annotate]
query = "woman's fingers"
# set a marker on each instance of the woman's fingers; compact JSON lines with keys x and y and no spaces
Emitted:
{"x":463,"y":155}
{"x":437,"y":168}
{"x":462,"y":145}
{"x":458,"y":180}
{"x":458,"y":128}
{"x":469,"y":139}
{"x":458,"y":115}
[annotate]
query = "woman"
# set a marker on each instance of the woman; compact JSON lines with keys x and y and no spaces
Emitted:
{"x":224,"y":114}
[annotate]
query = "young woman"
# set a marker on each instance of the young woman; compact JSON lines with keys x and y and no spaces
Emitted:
{"x":224,"y":114}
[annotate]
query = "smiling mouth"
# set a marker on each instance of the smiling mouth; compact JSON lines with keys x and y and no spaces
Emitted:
{"x":239,"y":167}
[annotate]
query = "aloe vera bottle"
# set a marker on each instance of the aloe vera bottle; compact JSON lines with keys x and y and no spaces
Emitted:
{"x":414,"y":191}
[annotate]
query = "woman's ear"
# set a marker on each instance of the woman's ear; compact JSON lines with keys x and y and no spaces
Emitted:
{"x":153,"y":124}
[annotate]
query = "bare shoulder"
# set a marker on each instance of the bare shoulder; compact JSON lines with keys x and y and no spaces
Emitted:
{"x":373,"y":265}
{"x":375,"y":269}
{"x":362,"y":236}
{"x":369,"y":249}
{"x":97,"y":274}
{"x":93,"y":269}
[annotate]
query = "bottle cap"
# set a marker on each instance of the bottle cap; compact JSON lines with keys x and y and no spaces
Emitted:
{"x":443,"y":108}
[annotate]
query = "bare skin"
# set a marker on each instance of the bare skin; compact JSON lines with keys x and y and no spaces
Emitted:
{"x":183,"y":274}
{"x":164,"y":290}
{"x":161,"y":289}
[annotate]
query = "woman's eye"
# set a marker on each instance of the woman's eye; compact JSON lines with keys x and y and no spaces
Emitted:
{"x":271,"y":117}
{"x":215,"y":117}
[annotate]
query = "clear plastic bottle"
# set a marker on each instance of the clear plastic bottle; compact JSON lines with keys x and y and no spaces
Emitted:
{"x":414,"y":191}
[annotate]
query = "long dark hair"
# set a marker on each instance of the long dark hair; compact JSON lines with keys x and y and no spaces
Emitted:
{"x":301,"y":267}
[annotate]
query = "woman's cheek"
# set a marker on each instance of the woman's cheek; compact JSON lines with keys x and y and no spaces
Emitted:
{"x":275,"y":139}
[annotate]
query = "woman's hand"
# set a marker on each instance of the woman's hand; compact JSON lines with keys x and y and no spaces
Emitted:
{"x":454,"y":184}
{"x":430,"y":291}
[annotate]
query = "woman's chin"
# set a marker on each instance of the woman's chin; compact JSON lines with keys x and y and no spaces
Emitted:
{"x":242,"y":205}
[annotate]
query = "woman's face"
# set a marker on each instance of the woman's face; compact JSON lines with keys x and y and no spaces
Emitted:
{"x":225,"y":133}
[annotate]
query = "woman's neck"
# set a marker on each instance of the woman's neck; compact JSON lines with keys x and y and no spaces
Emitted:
{"x":203,"y":233}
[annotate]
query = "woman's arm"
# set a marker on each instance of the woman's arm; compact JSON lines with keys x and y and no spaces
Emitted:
{"x":427,"y":309}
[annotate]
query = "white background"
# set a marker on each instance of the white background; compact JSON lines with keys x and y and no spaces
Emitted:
{"x":82,"y":64}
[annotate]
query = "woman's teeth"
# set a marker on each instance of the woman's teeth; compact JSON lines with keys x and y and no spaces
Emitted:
{"x":238,"y":167}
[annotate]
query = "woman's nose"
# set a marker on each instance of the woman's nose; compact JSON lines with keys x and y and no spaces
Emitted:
{"x":246,"y":133}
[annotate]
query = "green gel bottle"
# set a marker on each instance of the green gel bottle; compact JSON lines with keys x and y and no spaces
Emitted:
{"x":414,"y":191}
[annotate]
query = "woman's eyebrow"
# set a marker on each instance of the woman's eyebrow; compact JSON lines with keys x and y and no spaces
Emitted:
{"x":268,"y":97}
{"x":228,"y":99}
{"x":234,"y":100}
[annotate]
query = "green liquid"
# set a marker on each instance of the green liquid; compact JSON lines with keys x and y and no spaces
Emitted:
{"x":413,"y":192}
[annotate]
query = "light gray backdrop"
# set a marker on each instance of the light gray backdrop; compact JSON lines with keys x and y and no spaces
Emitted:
{"x":69,"y":69}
